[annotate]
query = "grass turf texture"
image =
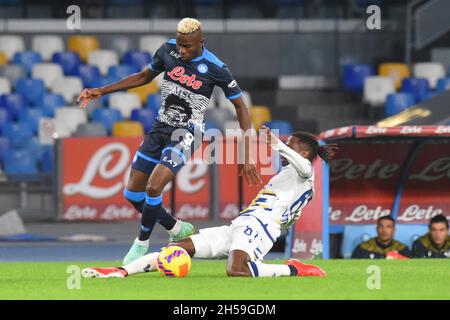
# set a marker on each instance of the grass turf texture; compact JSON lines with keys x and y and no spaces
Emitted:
{"x":347,"y":279}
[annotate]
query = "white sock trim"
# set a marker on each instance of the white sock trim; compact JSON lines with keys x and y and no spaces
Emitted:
{"x":176,"y":228}
{"x":141,"y":242}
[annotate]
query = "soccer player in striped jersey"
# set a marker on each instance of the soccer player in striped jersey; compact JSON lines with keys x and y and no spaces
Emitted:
{"x":252,"y":234}
{"x":190,"y":74}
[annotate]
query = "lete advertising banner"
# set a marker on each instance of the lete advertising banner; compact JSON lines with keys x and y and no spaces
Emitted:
{"x":94,"y":172}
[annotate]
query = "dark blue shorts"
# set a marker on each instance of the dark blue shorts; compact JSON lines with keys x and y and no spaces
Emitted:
{"x":167,"y":145}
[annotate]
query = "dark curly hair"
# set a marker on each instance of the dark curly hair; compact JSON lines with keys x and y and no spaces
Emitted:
{"x":308,"y":140}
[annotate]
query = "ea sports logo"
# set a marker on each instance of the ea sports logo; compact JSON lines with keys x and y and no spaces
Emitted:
{"x":202,"y":68}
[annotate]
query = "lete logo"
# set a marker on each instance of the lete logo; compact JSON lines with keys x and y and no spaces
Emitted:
{"x":98,"y":164}
{"x":177,"y":74}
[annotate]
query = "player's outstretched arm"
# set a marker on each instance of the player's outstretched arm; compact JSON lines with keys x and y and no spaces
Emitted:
{"x":248,"y":168}
{"x":301,"y":164}
{"x":132,"y":81}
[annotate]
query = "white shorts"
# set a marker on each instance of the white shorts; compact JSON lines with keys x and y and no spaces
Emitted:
{"x":245,"y":233}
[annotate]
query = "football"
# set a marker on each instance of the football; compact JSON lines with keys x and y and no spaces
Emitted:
{"x":174,"y":261}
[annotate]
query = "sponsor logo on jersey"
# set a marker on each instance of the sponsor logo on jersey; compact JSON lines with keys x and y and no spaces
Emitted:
{"x":232,"y":84}
{"x":174,"y":54}
{"x":178,"y":74}
{"x":202,"y":68}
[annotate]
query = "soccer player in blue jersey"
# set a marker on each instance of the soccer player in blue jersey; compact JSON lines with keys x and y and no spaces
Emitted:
{"x":190,"y":74}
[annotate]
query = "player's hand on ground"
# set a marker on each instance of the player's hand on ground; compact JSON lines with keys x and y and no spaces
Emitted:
{"x":250,"y":172}
{"x":87,"y":95}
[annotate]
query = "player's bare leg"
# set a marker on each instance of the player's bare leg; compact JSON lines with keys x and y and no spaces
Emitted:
{"x":240,"y":265}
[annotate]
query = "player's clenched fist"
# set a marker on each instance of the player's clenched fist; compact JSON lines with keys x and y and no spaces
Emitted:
{"x":87,"y":95}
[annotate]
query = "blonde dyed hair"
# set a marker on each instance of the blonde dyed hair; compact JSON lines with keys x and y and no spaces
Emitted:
{"x":188,"y":25}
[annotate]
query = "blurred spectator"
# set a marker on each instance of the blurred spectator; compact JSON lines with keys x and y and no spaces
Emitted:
{"x":436,"y":243}
{"x":383,"y":246}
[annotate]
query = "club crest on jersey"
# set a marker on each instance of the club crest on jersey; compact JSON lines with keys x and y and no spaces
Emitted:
{"x":202,"y":68}
{"x":177,"y":74}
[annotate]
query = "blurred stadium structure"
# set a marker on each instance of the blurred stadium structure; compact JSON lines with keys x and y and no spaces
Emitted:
{"x":304,"y":65}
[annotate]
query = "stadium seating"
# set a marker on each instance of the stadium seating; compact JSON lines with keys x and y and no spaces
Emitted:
{"x":408,"y":233}
{"x":124,"y":102}
{"x":49,"y":102}
{"x":418,"y":87}
{"x":139,"y":59}
{"x":217,"y":118}
{"x":13,"y":72}
{"x":107,"y":117}
{"x":18,"y":134}
{"x":4,"y":119}
{"x":83,"y":45}
{"x":144,"y":91}
{"x":121,"y":71}
{"x":47,"y":72}
{"x":3,"y":58}
{"x":31,"y":117}
{"x":151,"y":43}
{"x":259,"y":115}
{"x":68,"y":119}
{"x":396,"y":71}
{"x":153,"y":102}
{"x":69,"y":61}
{"x":284,"y":128}
{"x":27,"y":59}
{"x":103,"y":59}
{"x":47,"y":131}
{"x":443,"y":85}
{"x":47,"y":45}
{"x":232,"y":128}
{"x":376,"y":89}
{"x":5,"y":86}
{"x":121,"y":45}
{"x":10,"y":44}
{"x":88,"y":74}
{"x":223,"y":102}
{"x":92,"y":129}
{"x":397,"y":102}
{"x":145,"y":116}
{"x":13,"y":103}
{"x":31,"y":89}
{"x":47,"y":160}
{"x":69,"y":87}
{"x":354,"y":75}
{"x":20,"y":162}
{"x":4,"y":148}
{"x":127,"y":129}
{"x":431,"y":71}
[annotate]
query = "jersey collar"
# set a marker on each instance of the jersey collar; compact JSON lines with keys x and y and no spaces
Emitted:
{"x":200,"y":57}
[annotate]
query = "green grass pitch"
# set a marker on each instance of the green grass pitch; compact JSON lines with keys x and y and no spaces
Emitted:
{"x":346,"y":279}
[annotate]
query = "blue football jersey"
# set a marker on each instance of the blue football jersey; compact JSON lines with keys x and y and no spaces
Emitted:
{"x":187,"y":85}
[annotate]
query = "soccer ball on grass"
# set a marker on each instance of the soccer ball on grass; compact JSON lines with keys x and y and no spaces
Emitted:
{"x":174,"y":261}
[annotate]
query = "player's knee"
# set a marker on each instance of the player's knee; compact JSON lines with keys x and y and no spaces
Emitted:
{"x":153,"y":190}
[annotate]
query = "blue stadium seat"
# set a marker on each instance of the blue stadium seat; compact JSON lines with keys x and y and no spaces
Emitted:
{"x":4,"y":119}
{"x":153,"y":102}
{"x":20,"y":162}
{"x":419,"y":87}
{"x":13,"y":103}
{"x":88,"y":74}
{"x":121,"y":71}
{"x":354,"y":235}
{"x":106,"y":116}
{"x":354,"y":75}
{"x":144,"y":116}
{"x":443,"y":85}
{"x":101,"y":82}
{"x":31,"y":89}
{"x":284,"y":127}
{"x":139,"y":59}
{"x":49,"y":102}
{"x":27,"y":59}
{"x":69,"y":61}
{"x":31,"y":116}
{"x":408,"y":233}
{"x":398,"y":102}
{"x":4,"y":148}
{"x":19,"y":134}
{"x":46,"y":161}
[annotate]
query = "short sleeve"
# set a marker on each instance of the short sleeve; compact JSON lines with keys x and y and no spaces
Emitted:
{"x":157,"y":64}
{"x":228,"y":84}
